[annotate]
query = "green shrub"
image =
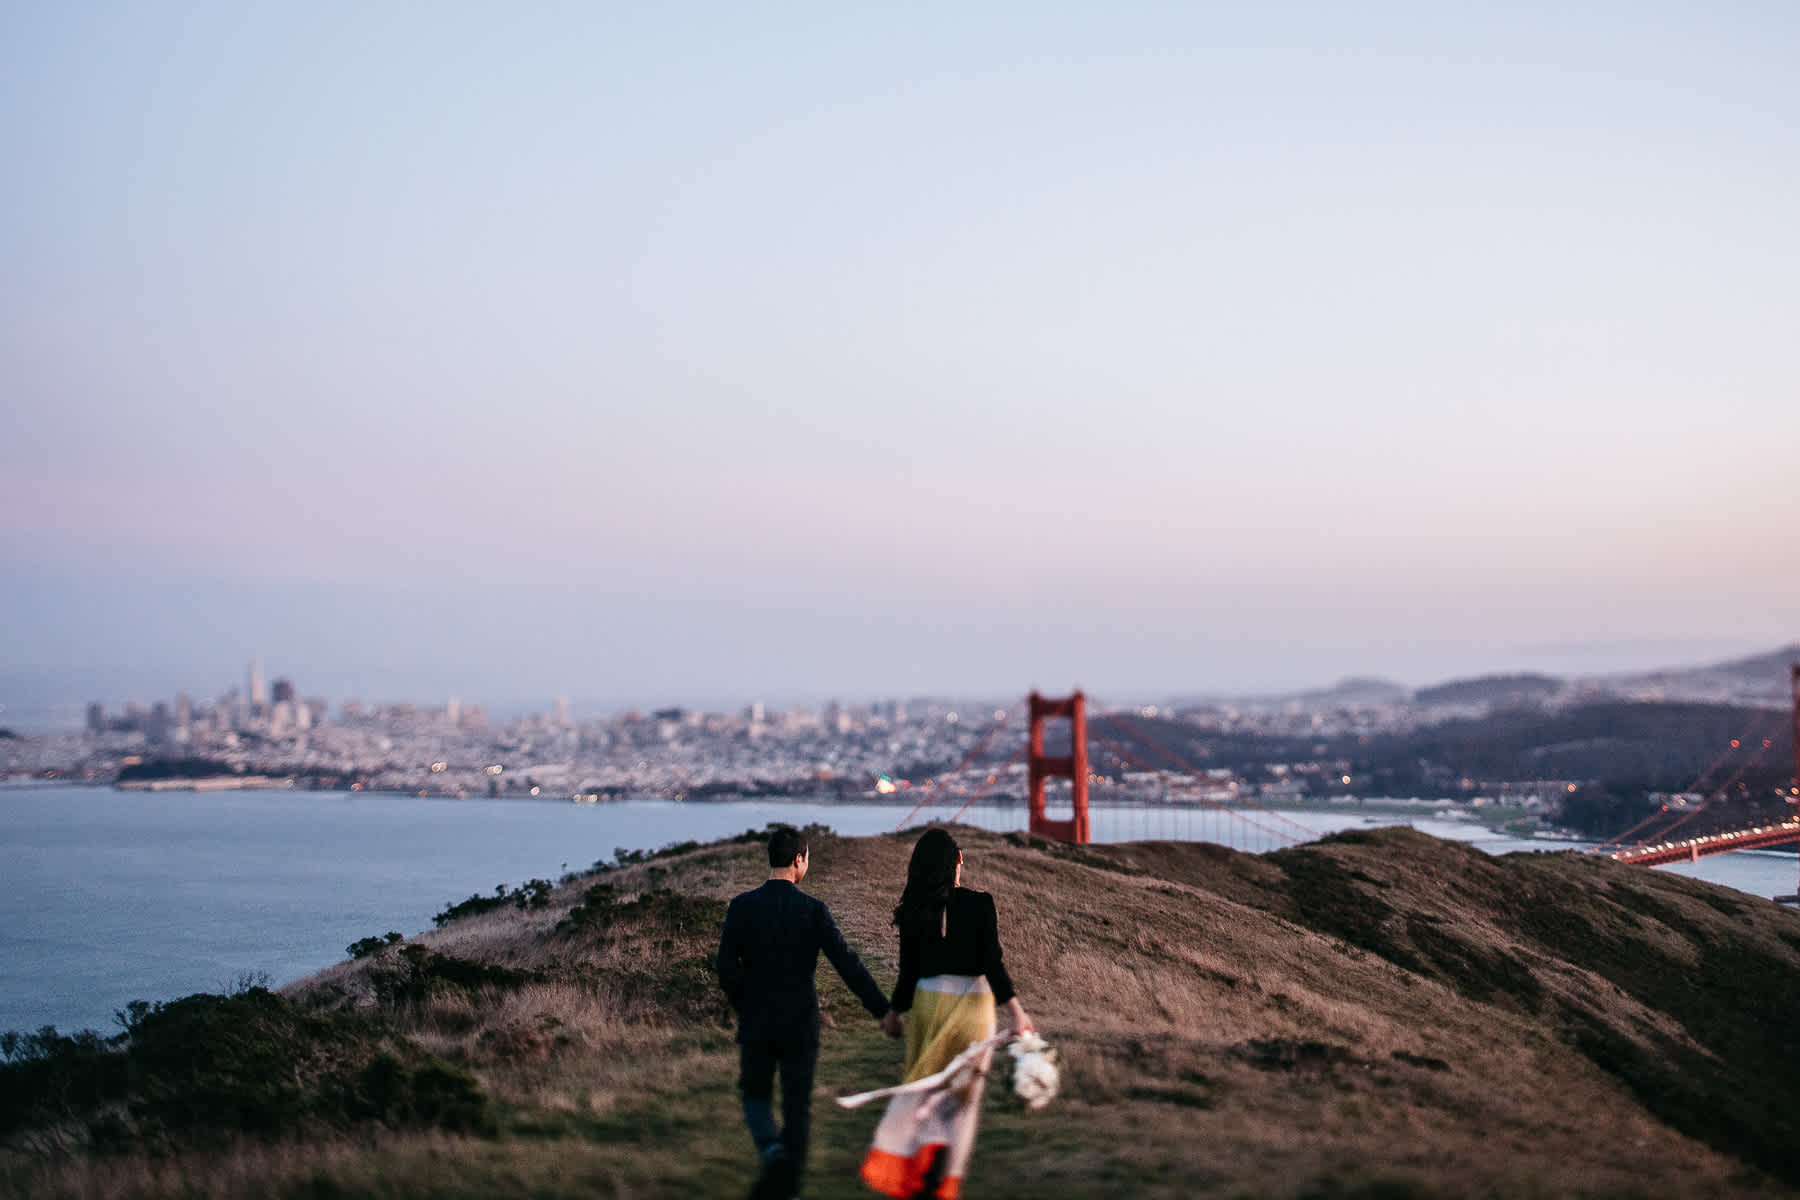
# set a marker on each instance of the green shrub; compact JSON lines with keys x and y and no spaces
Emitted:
{"x":207,"y":1068}
{"x":47,"y":1078}
{"x":657,"y":913}
{"x":418,"y":972}
{"x":623,"y":857}
{"x":593,"y":911}
{"x":433,"y":1094}
{"x":364,"y":947}
{"x":473,"y":906}
{"x":533,"y":893}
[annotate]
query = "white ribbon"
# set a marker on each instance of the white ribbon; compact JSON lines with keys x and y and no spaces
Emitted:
{"x":963,"y":1061}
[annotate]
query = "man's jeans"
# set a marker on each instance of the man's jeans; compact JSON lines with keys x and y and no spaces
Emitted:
{"x":756,"y":1081}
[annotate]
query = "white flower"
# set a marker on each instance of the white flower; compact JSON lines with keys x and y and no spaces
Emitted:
{"x":1035,"y":1077}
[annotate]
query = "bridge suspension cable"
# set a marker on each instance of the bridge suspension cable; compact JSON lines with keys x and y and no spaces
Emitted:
{"x":1188,"y":767}
{"x":1120,"y":753}
{"x":1669,"y":831}
{"x":992,"y":779}
{"x":931,"y":784}
{"x":1617,"y":843}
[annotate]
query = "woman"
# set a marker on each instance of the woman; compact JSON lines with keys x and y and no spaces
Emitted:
{"x":953,"y":981}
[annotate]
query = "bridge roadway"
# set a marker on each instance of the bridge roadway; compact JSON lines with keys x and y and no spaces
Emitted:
{"x":1653,"y":854}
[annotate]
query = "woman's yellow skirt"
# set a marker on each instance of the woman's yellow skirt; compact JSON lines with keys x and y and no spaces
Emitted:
{"x":924,"y":1141}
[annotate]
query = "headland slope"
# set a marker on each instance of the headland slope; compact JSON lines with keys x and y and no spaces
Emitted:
{"x":1373,"y":1014}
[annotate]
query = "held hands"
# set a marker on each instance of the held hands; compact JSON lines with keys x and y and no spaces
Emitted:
{"x":892,"y":1024}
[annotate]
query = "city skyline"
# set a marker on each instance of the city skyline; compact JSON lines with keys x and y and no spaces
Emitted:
{"x":1599,"y":664}
{"x":643,"y":358}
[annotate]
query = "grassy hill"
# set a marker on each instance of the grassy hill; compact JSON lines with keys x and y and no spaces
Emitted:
{"x":1377,"y":1014}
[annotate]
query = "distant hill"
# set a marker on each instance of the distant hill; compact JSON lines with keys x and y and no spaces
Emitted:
{"x":1661,"y":746}
{"x":1668,"y":742}
{"x":1354,"y":692}
{"x":1758,"y":679}
{"x":1490,"y":689}
{"x":1756,"y":666}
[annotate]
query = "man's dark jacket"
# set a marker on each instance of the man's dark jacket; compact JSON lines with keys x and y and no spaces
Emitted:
{"x":767,"y":956}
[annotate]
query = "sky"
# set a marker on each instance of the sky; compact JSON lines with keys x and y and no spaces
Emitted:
{"x":702,"y":353}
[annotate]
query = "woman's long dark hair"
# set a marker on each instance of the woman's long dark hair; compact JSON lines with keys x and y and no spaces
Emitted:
{"x":929,"y":878}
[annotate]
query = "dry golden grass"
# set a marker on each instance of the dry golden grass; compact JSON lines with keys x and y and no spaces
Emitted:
{"x":1389,"y":1017}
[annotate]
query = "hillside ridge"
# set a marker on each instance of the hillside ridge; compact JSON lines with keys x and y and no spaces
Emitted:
{"x":1374,"y":1013}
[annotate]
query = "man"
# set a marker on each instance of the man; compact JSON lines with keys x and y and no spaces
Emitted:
{"x":767,"y":956}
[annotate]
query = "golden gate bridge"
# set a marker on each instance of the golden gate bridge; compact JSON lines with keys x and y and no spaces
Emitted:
{"x":1659,"y":843}
{"x":1661,"y":838}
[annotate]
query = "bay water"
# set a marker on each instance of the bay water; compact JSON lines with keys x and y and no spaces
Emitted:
{"x":110,"y":896}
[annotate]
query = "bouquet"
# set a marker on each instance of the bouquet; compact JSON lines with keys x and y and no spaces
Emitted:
{"x":1035,"y":1077}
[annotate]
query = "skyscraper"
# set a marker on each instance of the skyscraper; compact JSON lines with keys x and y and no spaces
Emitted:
{"x":259,"y":694}
{"x":159,"y":724}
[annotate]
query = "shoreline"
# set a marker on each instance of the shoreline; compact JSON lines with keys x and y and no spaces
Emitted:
{"x":222,"y":783}
{"x":1495,"y":818}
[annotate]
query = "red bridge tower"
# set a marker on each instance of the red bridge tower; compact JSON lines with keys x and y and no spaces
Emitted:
{"x":1073,"y":766}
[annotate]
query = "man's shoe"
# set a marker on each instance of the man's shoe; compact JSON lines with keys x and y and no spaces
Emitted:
{"x":776,"y":1179}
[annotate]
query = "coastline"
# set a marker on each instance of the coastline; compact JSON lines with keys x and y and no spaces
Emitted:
{"x":222,"y":783}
